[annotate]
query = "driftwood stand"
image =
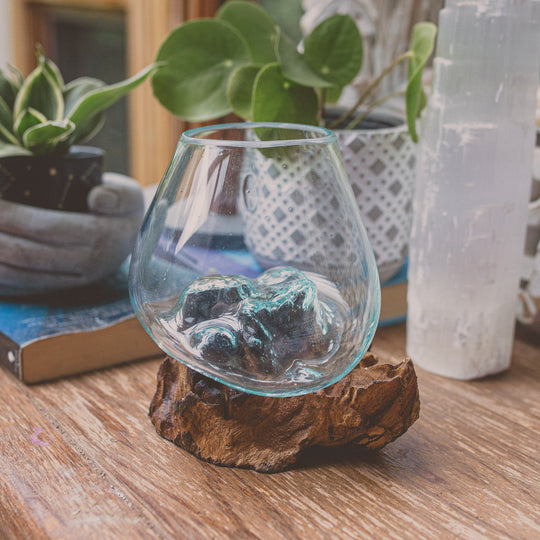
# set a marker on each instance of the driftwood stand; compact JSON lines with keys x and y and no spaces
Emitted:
{"x":370,"y":407}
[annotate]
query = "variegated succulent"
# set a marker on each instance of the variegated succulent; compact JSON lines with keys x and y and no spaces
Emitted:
{"x":42,"y":115}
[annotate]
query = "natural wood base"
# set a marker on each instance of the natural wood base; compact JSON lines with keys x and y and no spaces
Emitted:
{"x":370,"y":407}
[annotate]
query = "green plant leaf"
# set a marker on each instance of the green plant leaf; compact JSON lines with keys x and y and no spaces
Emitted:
{"x":198,"y":58}
{"x":333,"y":94}
{"x":17,"y":76}
{"x":88,"y":129}
{"x":255,"y":26}
{"x":91,"y":105}
{"x":7,"y":136}
{"x":287,"y":15}
{"x":7,"y":150}
{"x":6,"y":124}
{"x":26,"y":120}
{"x":8,"y":89}
{"x":78,"y":88}
{"x":334,"y":50}
{"x":295,"y":67}
{"x":422,"y":44}
{"x":240,"y":90}
{"x":46,"y":138}
{"x":50,"y":67}
{"x":41,"y":92}
{"x":276,"y":99}
{"x":6,"y":117}
{"x":74,"y":91}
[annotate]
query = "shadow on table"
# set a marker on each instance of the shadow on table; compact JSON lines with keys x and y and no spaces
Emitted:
{"x":344,"y":455}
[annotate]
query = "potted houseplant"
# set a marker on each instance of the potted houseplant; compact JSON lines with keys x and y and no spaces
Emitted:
{"x":247,"y":61}
{"x":42,"y":122}
{"x":63,"y":225}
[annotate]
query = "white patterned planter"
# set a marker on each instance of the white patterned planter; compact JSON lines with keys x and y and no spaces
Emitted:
{"x":292,"y":216}
{"x":290,"y":220}
{"x":380,"y":164}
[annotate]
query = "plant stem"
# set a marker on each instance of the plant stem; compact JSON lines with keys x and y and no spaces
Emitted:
{"x":322,"y":101}
{"x":356,"y":120}
{"x":348,"y":114}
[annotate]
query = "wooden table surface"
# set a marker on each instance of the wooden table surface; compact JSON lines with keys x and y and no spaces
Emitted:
{"x":79,"y":458}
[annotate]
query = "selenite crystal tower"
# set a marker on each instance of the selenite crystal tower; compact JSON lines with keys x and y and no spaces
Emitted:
{"x":474,"y":177}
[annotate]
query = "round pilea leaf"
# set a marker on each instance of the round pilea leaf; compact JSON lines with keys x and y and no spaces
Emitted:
{"x":334,"y":50}
{"x":295,"y":67}
{"x":255,"y":26}
{"x":240,"y":90}
{"x":287,"y":16}
{"x":276,"y":99}
{"x":195,"y":63}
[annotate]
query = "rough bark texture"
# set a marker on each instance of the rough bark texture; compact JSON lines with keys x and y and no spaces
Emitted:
{"x":370,"y":407}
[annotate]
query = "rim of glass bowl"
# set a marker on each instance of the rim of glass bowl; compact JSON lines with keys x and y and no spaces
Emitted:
{"x":189,"y":136}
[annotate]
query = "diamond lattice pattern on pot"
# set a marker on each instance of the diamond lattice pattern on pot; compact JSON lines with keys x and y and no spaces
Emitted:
{"x":292,"y":216}
{"x":380,"y":166}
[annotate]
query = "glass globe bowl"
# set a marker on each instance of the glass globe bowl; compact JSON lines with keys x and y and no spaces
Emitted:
{"x":252,"y":265}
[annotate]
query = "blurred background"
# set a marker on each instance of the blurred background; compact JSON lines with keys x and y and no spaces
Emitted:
{"x":112,"y":39}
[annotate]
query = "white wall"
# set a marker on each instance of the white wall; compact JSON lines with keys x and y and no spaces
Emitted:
{"x":6,"y":53}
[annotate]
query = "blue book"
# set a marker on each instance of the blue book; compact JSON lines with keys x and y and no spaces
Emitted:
{"x":206,"y":261}
{"x":49,"y":336}
{"x":394,"y":298}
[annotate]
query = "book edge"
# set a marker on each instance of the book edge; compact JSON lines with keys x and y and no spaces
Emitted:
{"x":10,"y":355}
{"x":143,"y":347}
{"x":46,"y":337}
{"x":395,"y":312}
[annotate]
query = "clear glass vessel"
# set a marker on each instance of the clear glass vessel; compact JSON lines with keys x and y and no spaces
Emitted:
{"x":281,"y":306}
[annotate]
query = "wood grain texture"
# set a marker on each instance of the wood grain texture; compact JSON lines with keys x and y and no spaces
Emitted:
{"x":370,"y":407}
{"x":469,"y":467}
{"x":48,"y":485}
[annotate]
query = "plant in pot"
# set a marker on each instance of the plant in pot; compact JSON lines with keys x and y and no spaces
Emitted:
{"x":41,"y":121}
{"x":247,"y":60}
{"x":64,"y":223}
